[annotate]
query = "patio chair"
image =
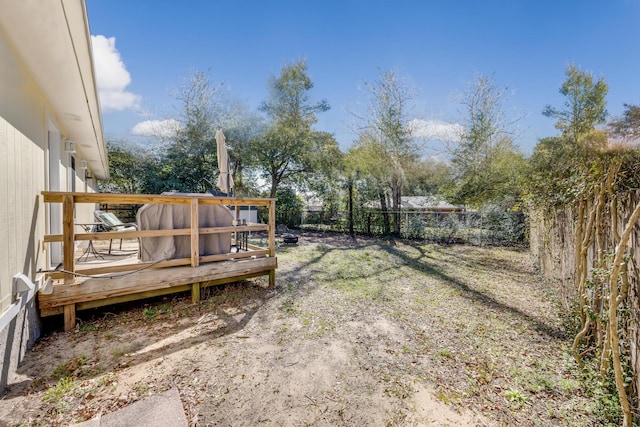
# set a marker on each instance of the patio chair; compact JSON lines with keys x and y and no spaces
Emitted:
{"x":110,"y":222}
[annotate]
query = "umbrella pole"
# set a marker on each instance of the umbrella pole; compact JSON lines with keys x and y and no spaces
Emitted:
{"x":230,"y":192}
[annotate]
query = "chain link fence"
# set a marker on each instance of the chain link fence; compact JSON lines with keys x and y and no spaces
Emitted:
{"x":486,"y":227}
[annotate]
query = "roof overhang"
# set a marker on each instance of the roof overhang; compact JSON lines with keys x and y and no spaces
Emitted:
{"x":54,"y":42}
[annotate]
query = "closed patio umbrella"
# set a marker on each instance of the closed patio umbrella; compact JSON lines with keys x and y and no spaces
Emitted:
{"x":225,"y":180}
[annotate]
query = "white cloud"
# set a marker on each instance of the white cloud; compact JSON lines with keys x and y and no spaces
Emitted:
{"x":159,"y":128}
{"x":435,"y":130}
{"x":112,"y":76}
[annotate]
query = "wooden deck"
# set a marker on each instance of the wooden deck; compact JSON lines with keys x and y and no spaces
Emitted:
{"x":122,"y":277}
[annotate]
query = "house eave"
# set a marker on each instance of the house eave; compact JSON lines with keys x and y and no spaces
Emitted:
{"x":54,"y":42}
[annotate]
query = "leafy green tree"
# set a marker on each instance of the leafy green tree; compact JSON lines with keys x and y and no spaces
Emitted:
{"x":289,"y":207}
{"x":552,"y":178}
{"x":369,"y":159}
{"x":560,"y":167}
{"x":427,"y":177}
{"x":131,"y":169}
{"x":290,"y":149}
{"x":485,"y":162}
{"x":584,"y":107}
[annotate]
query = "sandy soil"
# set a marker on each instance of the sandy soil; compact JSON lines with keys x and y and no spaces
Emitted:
{"x":246,"y":356}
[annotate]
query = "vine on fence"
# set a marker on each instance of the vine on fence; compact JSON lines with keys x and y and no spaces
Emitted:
{"x":596,"y":186}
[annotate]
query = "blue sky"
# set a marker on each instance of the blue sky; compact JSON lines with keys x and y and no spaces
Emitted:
{"x":148,"y":48}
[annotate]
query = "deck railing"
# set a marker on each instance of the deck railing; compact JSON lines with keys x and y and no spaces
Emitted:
{"x":69,"y":235}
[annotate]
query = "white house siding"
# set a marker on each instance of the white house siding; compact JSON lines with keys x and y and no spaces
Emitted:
{"x":21,"y":230}
{"x":23,"y":131}
{"x":21,"y":213}
{"x":24,"y":124}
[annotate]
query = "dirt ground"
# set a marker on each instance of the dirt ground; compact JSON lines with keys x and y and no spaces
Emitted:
{"x":356,"y":333}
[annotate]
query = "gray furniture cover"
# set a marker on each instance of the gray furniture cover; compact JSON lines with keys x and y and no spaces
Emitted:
{"x":169,"y":216}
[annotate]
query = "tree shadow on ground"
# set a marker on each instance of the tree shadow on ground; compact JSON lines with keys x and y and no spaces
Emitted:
{"x":144,"y":343}
{"x":467,"y":291}
{"x":303,"y":271}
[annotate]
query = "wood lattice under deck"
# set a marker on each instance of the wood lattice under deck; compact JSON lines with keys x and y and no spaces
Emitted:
{"x":109,"y":282}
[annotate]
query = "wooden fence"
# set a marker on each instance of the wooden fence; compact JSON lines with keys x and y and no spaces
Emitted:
{"x":553,"y":246}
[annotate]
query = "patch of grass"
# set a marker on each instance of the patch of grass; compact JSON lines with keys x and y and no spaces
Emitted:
{"x":569,"y":385}
{"x":288,"y":307}
{"x":516,"y":398}
{"x":63,"y":387}
{"x":88,"y":327}
{"x":539,"y":382}
{"x":318,"y":326}
{"x":149,"y":313}
{"x":448,"y":396}
{"x":118,"y":353}
{"x":464,"y":319}
{"x":606,"y":404}
{"x":445,"y":353}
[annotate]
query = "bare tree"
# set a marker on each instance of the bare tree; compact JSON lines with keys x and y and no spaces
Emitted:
{"x":387,"y":135}
{"x":485,"y":159}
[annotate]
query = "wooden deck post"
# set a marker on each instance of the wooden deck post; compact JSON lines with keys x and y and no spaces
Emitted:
{"x":69,"y":313}
{"x":68,"y":244}
{"x":195,"y":293}
{"x":272,"y":240}
{"x":237,"y":219}
{"x":195,"y":233}
{"x":272,"y":228}
{"x":68,"y":261}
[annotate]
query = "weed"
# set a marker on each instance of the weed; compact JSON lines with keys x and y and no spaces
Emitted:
{"x":63,"y":387}
{"x":445,"y":353}
{"x":149,"y":313}
{"x":516,"y":398}
{"x":606,"y":404}
{"x":306,"y":318}
{"x":449,"y":397}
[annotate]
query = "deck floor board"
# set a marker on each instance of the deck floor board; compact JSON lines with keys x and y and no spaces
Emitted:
{"x":89,"y":292}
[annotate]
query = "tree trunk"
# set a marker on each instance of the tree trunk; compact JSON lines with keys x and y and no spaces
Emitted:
{"x":385,"y":213}
{"x":397,"y":202}
{"x":351,"y":233}
{"x":274,"y":186}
